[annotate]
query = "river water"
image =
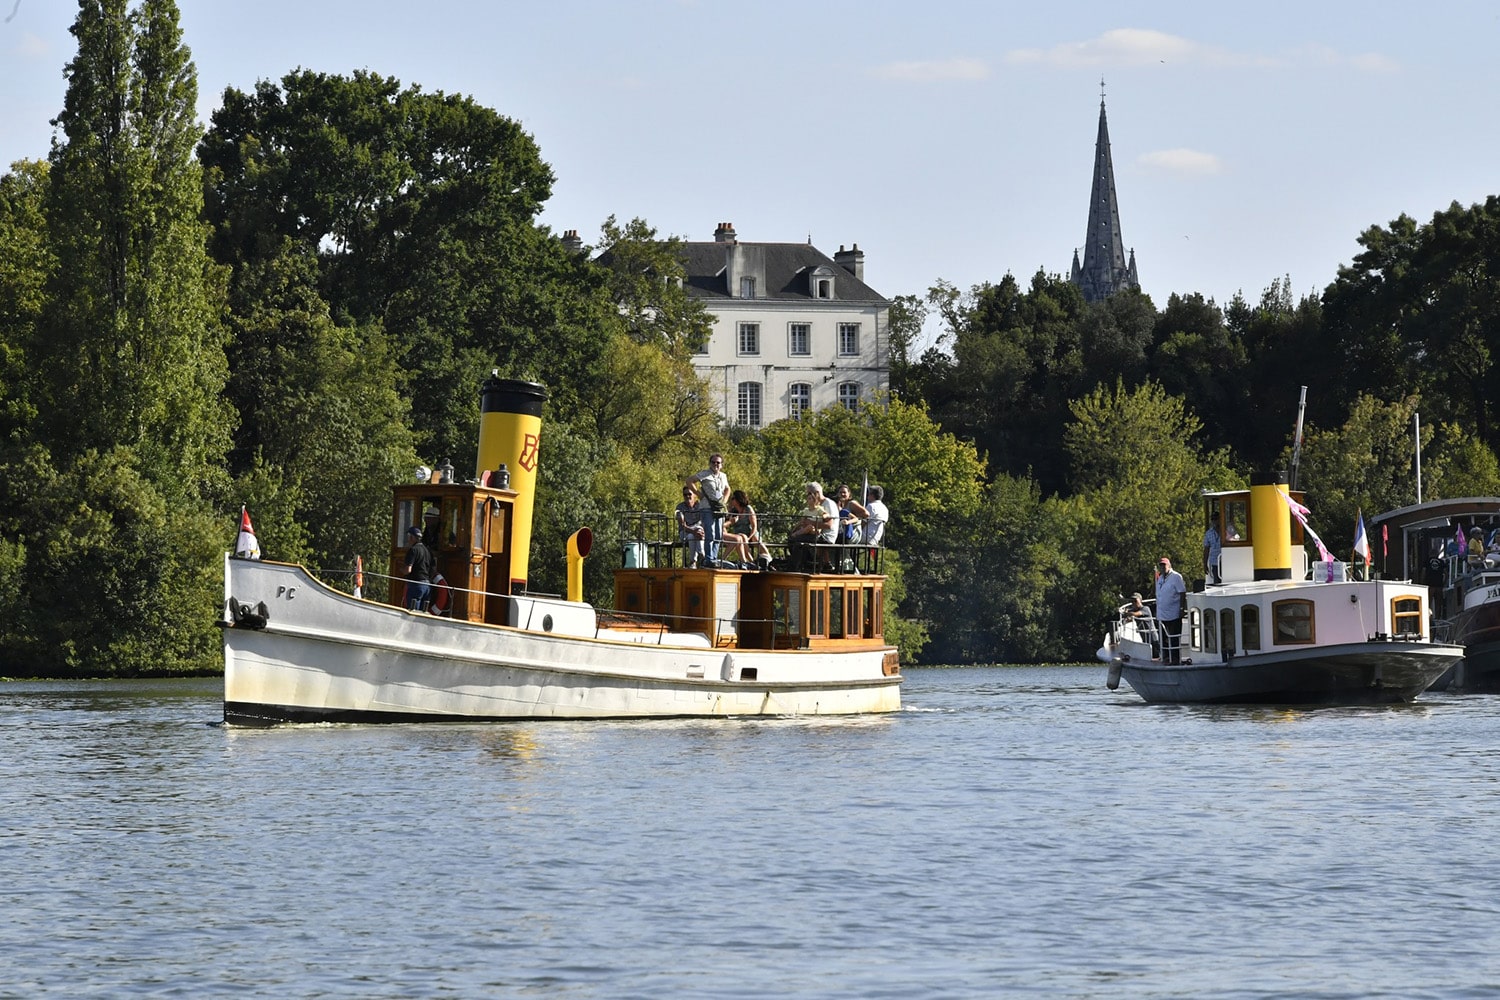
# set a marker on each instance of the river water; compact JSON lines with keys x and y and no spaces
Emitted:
{"x":1013,"y":832}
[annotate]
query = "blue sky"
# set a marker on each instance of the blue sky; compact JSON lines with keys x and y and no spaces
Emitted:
{"x":949,"y":140}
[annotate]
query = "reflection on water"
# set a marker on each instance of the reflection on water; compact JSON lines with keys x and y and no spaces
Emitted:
{"x":1013,"y":831}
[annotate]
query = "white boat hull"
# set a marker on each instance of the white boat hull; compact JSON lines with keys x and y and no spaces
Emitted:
{"x":324,"y":656}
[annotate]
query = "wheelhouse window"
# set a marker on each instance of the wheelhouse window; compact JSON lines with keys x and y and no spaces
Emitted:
{"x":1249,"y":627}
{"x":1236,"y":521}
{"x":848,"y":339}
{"x":749,"y":340}
{"x":849,"y":395}
{"x":1293,"y":623}
{"x":749,"y":404}
{"x":799,"y":339}
{"x":798,"y":399}
{"x":1406,"y":616}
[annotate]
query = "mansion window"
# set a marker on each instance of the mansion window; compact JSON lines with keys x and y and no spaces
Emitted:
{"x":799,"y":399}
{"x":848,"y":339}
{"x":849,"y":395}
{"x":749,"y":338}
{"x":747,"y":288}
{"x":750,"y":404}
{"x":799,"y":339}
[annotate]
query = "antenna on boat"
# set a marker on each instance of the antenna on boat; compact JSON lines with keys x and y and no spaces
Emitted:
{"x":1416,"y":420}
{"x":1297,"y":437}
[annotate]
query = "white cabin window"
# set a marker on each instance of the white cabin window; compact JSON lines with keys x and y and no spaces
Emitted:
{"x":1249,"y":627}
{"x":1210,"y":632}
{"x":1226,"y":629}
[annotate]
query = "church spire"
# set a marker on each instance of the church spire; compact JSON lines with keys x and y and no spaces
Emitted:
{"x":1104,"y":270}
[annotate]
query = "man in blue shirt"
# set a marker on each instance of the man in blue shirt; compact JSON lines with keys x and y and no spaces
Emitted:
{"x":1212,"y":549}
{"x":1170,"y":591}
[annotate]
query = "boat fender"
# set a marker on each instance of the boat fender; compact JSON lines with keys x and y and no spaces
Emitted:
{"x":245,"y":616}
{"x":1114,"y":674}
{"x":442,"y":595}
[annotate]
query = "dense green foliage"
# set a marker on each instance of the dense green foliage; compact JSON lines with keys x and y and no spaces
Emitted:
{"x":295,"y":308}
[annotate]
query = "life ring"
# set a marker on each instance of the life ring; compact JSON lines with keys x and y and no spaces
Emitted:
{"x":442,"y":595}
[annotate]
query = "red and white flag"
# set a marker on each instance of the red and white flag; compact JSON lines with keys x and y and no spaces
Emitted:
{"x":246,"y":547}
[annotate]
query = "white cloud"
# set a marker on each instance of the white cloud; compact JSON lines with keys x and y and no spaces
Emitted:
{"x":1183,"y":161}
{"x":1144,"y":46}
{"x":935,"y":71}
{"x":32,"y":47}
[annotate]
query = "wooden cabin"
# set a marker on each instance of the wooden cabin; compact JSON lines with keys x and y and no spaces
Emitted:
{"x":756,"y":610}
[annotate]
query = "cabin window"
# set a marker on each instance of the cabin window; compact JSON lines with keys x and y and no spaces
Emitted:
{"x":817,"y":611}
{"x":477,"y":534}
{"x":1210,"y":633}
{"x":498,"y":513}
{"x":851,"y":616}
{"x":836,"y":611}
{"x":1293,"y":623}
{"x":1406,"y":616}
{"x":1195,"y":629}
{"x":786,"y":610}
{"x":1249,"y":627}
{"x":1226,"y":629}
{"x":872,"y":612}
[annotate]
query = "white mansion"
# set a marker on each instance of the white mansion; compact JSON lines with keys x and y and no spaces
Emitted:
{"x":793,"y":329}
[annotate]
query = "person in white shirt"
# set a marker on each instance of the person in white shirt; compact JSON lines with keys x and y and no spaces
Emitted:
{"x":713,"y":492}
{"x":1171,"y":589}
{"x":876,"y":517}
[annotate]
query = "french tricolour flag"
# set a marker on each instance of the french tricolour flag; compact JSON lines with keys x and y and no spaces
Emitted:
{"x":246,"y":547}
{"x":1361,"y":540}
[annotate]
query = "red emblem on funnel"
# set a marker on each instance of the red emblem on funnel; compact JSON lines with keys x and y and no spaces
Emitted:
{"x":527,"y":460}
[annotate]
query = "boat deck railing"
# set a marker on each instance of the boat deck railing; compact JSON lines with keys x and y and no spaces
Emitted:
{"x":650,"y":540}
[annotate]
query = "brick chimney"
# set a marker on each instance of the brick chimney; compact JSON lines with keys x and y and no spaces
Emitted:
{"x":852,"y":260}
{"x":571,"y":241}
{"x":725,"y":233}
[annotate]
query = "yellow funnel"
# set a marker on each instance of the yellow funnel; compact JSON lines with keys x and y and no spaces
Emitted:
{"x":510,"y":434}
{"x":1270,"y":526}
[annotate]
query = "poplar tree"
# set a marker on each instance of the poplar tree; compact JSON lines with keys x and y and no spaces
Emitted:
{"x":122,"y":536}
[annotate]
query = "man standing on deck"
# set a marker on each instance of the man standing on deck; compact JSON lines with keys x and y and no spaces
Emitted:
{"x":1212,"y":552}
{"x":1170,"y":591}
{"x":713,"y":487}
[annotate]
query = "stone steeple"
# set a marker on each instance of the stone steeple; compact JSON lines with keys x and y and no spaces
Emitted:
{"x":1104,"y":270}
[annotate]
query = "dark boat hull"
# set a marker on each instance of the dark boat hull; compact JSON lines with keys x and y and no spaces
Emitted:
{"x":1363,"y":673}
